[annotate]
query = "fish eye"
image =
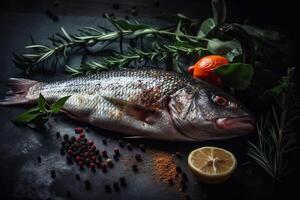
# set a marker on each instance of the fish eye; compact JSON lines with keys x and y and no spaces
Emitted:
{"x":219,"y":100}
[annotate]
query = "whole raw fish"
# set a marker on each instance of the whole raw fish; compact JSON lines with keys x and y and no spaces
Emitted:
{"x":148,"y":103}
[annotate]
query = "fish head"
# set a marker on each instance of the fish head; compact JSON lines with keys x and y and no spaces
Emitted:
{"x":203,"y":112}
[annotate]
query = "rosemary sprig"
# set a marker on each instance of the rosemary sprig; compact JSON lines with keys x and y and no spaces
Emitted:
{"x":275,"y":131}
{"x":65,"y":43}
{"x":157,"y":54}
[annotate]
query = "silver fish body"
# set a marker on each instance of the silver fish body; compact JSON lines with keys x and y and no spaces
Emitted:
{"x":149,"y":103}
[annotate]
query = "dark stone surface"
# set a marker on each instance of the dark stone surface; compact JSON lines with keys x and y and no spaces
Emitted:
{"x":23,"y":177}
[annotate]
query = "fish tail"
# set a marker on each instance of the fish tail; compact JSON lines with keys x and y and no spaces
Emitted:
{"x":18,"y":89}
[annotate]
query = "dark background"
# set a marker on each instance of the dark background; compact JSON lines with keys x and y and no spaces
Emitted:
{"x":22,"y":177}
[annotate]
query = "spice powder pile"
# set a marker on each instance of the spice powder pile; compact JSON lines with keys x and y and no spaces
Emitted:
{"x":164,"y":168}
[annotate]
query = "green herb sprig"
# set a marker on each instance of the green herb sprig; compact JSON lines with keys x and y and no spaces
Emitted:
{"x":275,"y":134}
{"x":42,"y":111}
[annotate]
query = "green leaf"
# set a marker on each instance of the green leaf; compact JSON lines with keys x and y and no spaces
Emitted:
{"x":206,"y":26}
{"x":278,"y":89}
{"x":126,"y":25}
{"x":236,"y":75}
{"x":55,"y":108}
{"x":42,"y":103}
{"x":28,"y":116}
{"x":219,"y":11}
{"x":230,"y":49}
{"x":263,"y":34}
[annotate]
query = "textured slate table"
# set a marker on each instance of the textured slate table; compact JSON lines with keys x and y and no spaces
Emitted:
{"x":22,"y":177}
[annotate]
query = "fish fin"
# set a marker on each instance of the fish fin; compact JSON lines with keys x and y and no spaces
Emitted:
{"x":18,"y":88}
{"x":136,"y":111}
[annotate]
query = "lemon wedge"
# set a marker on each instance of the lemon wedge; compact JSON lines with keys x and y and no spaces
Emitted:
{"x":212,"y":164}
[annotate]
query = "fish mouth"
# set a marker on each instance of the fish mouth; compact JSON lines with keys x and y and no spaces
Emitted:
{"x":246,"y":123}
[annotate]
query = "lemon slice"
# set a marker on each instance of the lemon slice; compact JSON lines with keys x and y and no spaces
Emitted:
{"x":212,"y":164}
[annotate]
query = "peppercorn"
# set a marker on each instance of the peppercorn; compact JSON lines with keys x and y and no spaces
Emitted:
{"x":84,"y":140}
{"x":70,"y":152}
{"x":129,"y":146}
{"x":178,"y":169}
{"x":52,"y":173}
{"x":58,"y":134}
{"x":184,"y":176}
{"x":78,"y":158}
{"x":72,"y":139}
{"x":135,"y":168}
{"x":107,"y":188}
{"x":39,"y":159}
{"x":138,"y":157}
{"x":77,"y":177}
{"x":116,"y":186}
{"x":78,"y":130}
{"x":182,"y":183}
{"x":69,"y":159}
{"x":134,"y":12}
{"x":87,"y":162}
{"x":99,"y":158}
{"x":187,"y":197}
{"x":116,"y":6}
{"x":116,"y":157}
{"x":121,"y":143}
{"x":66,"y":137}
{"x":94,"y":158}
{"x":104,"y":167}
{"x":156,"y":3}
{"x":104,"y":153}
{"x":123,"y":181}
{"x":69,"y":194}
{"x":171,"y":181}
{"x":178,"y":154}
{"x":92,"y":165}
{"x":62,"y":151}
{"x":97,"y":152}
{"x":87,"y":184}
{"x":90,"y":142}
{"x":63,"y":144}
{"x":82,"y":135}
{"x":117,"y":152}
{"x":109,"y":163}
{"x":142,"y":147}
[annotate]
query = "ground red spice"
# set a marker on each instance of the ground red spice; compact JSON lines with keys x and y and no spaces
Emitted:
{"x":164,"y":169}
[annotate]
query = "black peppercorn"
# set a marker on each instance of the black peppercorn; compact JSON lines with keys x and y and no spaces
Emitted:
{"x":178,"y":169}
{"x":77,"y":177}
{"x":39,"y":159}
{"x":107,"y":188}
{"x":62,"y":151}
{"x":129,"y":146}
{"x":63,"y":144}
{"x":116,"y":6}
{"x":123,"y":181}
{"x":66,"y":137}
{"x":69,"y":160}
{"x":69,"y":195}
{"x":142,"y":147}
{"x":121,"y":143}
{"x":134,"y":12}
{"x":184,"y":177}
{"x":53,"y":173}
{"x":104,"y":141}
{"x":58,"y":134}
{"x":116,"y":186}
{"x":97,"y":152}
{"x":138,"y":157}
{"x":135,"y":168}
{"x":87,"y":185}
{"x":116,"y":157}
{"x":156,"y":3}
